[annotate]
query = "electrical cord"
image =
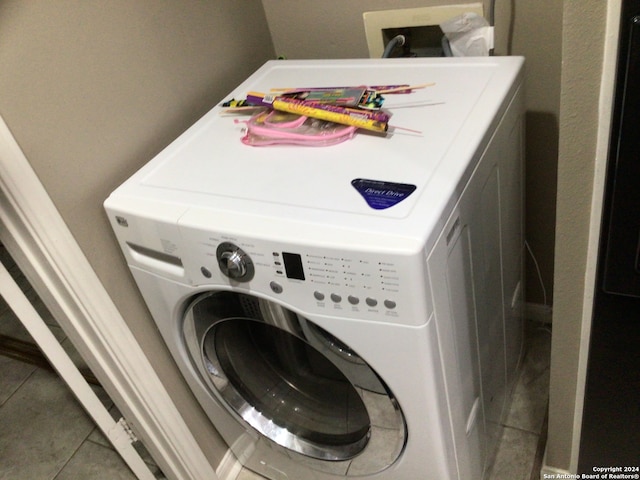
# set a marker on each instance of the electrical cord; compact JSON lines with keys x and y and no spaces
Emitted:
{"x":396,"y":41}
{"x":492,"y":13}
{"x":535,"y":262}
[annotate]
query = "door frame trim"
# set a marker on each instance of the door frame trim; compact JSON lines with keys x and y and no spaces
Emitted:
{"x":36,"y":236}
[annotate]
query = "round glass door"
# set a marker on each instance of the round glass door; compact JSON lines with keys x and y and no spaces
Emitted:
{"x":291,"y":380}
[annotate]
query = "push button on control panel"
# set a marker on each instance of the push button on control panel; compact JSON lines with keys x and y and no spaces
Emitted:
{"x":372,"y":303}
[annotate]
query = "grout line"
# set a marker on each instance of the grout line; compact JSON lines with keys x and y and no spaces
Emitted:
{"x":19,"y":386}
{"x":77,"y":449}
{"x":56,"y":475}
{"x":522,"y":430}
{"x":525,"y":430}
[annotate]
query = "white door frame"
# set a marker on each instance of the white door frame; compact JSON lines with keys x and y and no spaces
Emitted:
{"x":116,"y":432}
{"x":36,"y":236}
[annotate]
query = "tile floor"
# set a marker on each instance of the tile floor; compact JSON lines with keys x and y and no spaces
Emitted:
{"x":44,"y":432}
{"x":519,"y":455}
{"x":46,"y":435}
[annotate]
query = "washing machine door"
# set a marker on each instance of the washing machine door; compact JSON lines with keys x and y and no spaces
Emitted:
{"x":293,"y":382}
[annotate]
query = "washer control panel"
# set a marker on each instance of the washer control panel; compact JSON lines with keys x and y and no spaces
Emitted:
{"x":340,"y":280}
{"x":316,"y":280}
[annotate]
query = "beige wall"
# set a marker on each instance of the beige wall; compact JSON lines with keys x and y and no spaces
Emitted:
{"x":331,"y":28}
{"x":582,"y":55}
{"x":92,"y":90}
{"x":335,"y":29}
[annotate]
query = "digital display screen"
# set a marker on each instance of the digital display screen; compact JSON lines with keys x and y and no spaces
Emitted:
{"x":293,"y":265}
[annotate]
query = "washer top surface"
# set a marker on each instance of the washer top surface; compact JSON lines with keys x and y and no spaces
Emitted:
{"x":209,"y":165}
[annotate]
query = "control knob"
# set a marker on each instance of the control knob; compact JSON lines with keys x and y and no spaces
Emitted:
{"x":234,"y":262}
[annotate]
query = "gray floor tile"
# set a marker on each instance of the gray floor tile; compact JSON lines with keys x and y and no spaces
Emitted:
{"x":12,"y":375}
{"x":531,"y":393}
{"x":530,"y":399}
{"x":516,"y":455}
{"x":42,"y":427}
{"x":95,"y":462}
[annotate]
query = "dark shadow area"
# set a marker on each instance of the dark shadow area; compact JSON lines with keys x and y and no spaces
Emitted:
{"x":541,"y":152}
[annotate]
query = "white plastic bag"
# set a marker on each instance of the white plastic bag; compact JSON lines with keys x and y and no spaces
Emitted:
{"x":469,"y":35}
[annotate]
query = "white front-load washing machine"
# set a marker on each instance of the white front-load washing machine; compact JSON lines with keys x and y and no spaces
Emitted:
{"x":351,"y":310}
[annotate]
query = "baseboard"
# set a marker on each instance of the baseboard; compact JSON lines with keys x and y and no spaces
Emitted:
{"x":551,"y":473}
{"x":538,"y":312}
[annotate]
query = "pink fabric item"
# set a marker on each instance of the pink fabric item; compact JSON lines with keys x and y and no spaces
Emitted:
{"x":271,"y":127}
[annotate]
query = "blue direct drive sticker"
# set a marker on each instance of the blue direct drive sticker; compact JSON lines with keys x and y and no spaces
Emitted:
{"x":380,"y":195}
